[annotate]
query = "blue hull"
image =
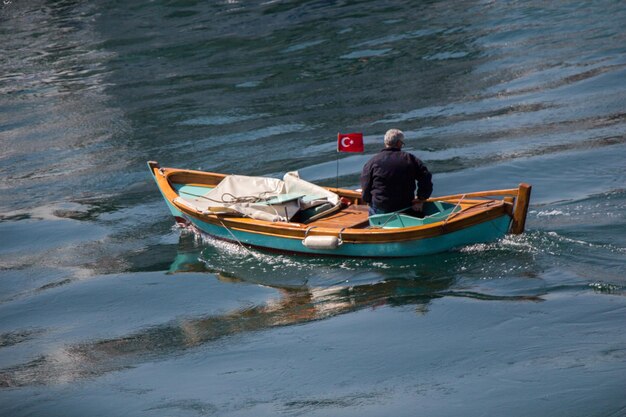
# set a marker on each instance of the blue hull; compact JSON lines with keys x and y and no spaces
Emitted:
{"x":481,"y":233}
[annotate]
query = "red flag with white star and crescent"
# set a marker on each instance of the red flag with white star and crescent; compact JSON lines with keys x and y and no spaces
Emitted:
{"x":350,"y":142}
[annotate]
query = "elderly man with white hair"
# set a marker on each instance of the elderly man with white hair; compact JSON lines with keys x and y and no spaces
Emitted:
{"x":388,"y":179}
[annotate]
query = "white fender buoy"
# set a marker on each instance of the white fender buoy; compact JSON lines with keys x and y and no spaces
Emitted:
{"x":322,"y":242}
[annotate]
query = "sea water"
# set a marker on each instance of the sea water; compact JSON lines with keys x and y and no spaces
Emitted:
{"x":108,"y":309}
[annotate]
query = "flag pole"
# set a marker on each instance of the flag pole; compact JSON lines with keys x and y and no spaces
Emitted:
{"x":337,"y":177}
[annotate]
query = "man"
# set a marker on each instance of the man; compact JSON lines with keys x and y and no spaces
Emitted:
{"x":388,"y":179}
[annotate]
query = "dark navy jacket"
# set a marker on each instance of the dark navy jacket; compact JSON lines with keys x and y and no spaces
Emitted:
{"x":388,"y":180}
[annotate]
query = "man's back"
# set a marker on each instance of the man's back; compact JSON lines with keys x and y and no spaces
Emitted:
{"x":388,"y":180}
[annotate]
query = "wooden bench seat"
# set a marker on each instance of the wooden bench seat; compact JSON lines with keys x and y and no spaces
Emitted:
{"x":354,"y":216}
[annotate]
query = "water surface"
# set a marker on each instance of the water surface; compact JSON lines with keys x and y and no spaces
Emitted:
{"x":106,"y":308}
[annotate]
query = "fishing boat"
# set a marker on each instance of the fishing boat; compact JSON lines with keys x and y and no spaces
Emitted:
{"x":294,"y":215}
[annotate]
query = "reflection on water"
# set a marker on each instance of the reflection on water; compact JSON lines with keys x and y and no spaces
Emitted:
{"x":292,"y":306}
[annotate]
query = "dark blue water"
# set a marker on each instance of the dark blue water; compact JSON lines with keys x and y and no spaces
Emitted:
{"x":107,"y":309}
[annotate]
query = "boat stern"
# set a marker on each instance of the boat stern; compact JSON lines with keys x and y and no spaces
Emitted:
{"x":520,"y":209}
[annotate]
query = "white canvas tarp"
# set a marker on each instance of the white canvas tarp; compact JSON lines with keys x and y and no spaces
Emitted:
{"x":262,"y":198}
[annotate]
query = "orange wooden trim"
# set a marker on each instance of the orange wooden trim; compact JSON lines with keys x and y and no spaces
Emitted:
{"x":199,"y":184}
{"x":473,"y":212}
{"x":492,"y":193}
{"x":211,"y":178}
{"x":520,"y":209}
{"x":206,"y":179}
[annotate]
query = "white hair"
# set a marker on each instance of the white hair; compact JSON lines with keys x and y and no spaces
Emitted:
{"x":393,"y":137}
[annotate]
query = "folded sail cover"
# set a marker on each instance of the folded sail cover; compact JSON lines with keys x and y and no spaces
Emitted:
{"x":262,"y":198}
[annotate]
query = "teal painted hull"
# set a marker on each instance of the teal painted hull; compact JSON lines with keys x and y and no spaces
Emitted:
{"x":481,"y":233}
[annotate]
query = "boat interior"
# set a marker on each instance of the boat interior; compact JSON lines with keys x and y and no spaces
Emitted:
{"x":332,"y":208}
{"x":347,"y":214}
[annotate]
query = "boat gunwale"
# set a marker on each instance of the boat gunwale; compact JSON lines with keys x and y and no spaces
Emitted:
{"x":473,"y":212}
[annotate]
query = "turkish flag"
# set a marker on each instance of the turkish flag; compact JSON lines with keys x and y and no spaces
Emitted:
{"x":349,"y":142}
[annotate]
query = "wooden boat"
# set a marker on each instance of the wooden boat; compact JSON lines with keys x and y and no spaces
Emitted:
{"x":345,"y":228}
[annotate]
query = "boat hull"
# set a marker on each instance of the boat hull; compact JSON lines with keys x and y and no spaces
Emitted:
{"x":486,"y":232}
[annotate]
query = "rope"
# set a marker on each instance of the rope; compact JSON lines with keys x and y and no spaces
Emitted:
{"x":234,"y":199}
{"x":394,"y":214}
{"x":251,"y":199}
{"x":454,"y":212}
{"x":237,"y":240}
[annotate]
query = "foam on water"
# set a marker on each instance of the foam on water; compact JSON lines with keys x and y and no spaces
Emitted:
{"x":548,"y":213}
